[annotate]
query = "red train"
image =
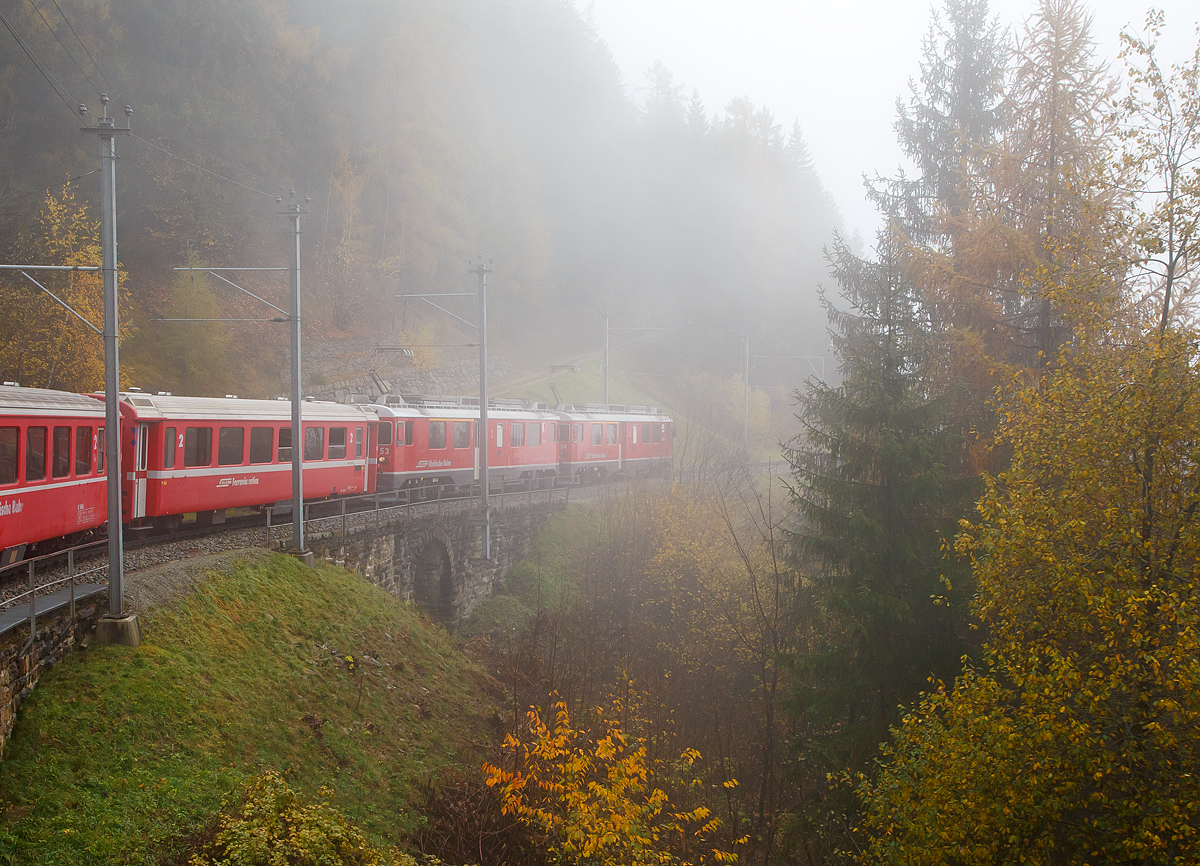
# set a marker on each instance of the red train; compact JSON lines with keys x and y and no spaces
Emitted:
{"x":432,"y":440}
{"x":202,"y":455}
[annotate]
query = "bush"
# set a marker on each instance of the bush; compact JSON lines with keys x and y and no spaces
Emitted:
{"x":274,"y":827}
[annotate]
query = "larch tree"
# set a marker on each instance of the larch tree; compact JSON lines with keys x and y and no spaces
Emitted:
{"x":1043,"y":223}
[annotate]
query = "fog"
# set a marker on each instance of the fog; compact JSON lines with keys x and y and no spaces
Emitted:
{"x":837,"y":68}
{"x":695,"y":198}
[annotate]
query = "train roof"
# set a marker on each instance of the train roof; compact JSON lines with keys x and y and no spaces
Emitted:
{"x":411,"y":406}
{"x":612,"y":412}
{"x":235,"y":408}
{"x":15,"y":400}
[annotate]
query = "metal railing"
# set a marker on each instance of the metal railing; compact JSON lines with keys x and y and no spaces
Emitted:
{"x":34,"y":590}
{"x":437,"y":500}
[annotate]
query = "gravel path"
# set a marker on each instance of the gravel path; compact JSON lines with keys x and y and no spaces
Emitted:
{"x":159,"y":584}
{"x":142,"y":567}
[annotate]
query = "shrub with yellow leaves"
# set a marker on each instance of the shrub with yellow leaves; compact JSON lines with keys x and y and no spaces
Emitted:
{"x":1080,"y":740}
{"x":274,"y":826}
{"x":589,"y":791}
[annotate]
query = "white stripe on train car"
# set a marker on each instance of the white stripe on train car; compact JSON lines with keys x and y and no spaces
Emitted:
{"x":238,"y":469}
{"x":34,"y":487}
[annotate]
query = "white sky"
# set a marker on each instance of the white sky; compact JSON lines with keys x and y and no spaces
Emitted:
{"x":837,"y":67}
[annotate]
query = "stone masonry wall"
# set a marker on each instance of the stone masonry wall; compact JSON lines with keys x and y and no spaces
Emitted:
{"x":387,"y":554}
{"x":22,"y":661}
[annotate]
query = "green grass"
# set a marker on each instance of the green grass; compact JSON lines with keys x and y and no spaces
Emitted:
{"x":121,"y":754}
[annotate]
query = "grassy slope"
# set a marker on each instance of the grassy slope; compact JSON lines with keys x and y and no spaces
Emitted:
{"x":121,"y":753}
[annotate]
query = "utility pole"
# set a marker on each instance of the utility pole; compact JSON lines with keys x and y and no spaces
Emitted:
{"x":482,"y":440}
{"x":108,"y":131}
{"x":292,"y":318}
{"x":297,"y":430}
{"x":606,"y":358}
{"x":485,"y":441}
{"x":746,"y":388}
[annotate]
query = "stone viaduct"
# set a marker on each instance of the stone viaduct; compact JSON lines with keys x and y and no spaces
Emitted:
{"x":425,"y":552}
{"x":429,"y":552}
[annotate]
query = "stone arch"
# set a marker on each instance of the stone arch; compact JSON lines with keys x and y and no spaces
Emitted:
{"x":433,"y":581}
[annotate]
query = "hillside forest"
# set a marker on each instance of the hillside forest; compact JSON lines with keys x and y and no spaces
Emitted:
{"x":962,"y":627}
{"x":416,"y":135}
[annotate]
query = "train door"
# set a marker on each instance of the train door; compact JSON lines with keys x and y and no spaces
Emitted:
{"x":372,"y":453}
{"x":139,"y":473}
{"x":562,"y":435}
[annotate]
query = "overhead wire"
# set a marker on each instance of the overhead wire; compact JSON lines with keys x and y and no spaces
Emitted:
{"x":54,"y":33}
{"x":162,"y":129}
{"x":217,"y":175}
{"x":80,"y":41}
{"x":58,"y":89}
{"x":145,"y":119}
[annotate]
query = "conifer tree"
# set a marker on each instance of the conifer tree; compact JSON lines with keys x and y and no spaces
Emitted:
{"x":955,"y":109}
{"x":877,"y":494}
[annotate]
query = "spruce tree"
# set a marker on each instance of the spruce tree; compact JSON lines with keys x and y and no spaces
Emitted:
{"x":878,"y":496}
{"x":955,"y":109}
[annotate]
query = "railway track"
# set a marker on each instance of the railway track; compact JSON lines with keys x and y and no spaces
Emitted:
{"x":47,"y":579}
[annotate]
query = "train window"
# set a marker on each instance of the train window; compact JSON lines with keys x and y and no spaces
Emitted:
{"x":261,"y":444}
{"x":35,"y":453}
{"x":169,"y":448}
{"x":633,"y":427}
{"x":518,"y":434}
{"x":9,"y":437}
{"x":597,"y":434}
{"x":437,"y":434}
{"x":60,"y":463}
{"x":385,"y":432}
{"x":610,"y":434}
{"x":500,"y":435}
{"x":564,"y":433}
{"x":535,"y":434}
{"x":231,"y":446}
{"x":656,"y":429}
{"x":577,"y":435}
{"x":670,"y":431}
{"x":645,"y":434}
{"x":61,"y":466}
{"x":197,"y":446}
{"x":337,"y":443}
{"x":314,"y":443}
{"x":408,"y":425}
{"x":358,"y":441}
{"x":101,"y":446}
{"x":83,"y":450}
{"x":462,"y":434}
{"x":285,"y":444}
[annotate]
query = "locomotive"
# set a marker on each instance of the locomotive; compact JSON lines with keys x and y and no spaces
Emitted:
{"x":205,"y":455}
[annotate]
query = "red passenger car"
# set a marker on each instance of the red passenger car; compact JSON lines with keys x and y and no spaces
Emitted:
{"x":433,"y":440}
{"x":521,"y":443}
{"x":597,"y":440}
{"x":204,"y":455}
{"x":52,"y":481}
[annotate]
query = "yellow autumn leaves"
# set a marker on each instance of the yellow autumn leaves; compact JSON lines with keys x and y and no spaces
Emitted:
{"x":590,"y":791}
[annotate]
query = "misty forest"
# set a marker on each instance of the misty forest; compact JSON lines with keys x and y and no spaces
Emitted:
{"x":924,"y":583}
